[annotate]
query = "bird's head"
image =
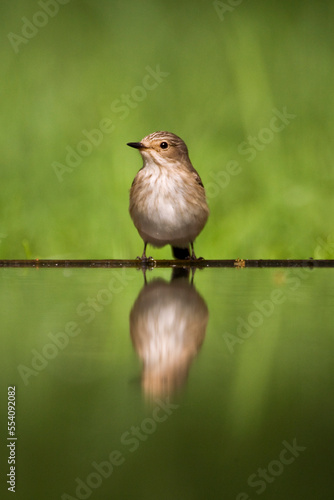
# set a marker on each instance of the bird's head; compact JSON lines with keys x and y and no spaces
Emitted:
{"x":162,"y":148}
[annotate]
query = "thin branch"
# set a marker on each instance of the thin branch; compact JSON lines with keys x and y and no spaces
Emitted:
{"x":201,"y":263}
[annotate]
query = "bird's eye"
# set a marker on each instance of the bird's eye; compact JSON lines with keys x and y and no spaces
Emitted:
{"x":164,"y":145}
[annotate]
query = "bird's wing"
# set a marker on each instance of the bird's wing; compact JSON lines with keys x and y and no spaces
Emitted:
{"x":197,"y":178}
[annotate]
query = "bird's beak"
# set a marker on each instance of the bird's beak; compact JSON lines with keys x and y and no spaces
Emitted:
{"x":137,"y":145}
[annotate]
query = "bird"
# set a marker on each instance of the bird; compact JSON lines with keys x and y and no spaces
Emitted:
{"x":168,"y":204}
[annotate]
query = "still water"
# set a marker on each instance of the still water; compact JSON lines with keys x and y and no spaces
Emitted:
{"x":216,"y":388}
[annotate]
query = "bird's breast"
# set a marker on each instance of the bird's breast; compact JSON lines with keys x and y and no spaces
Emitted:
{"x":167,"y":206}
{"x":161,"y":194}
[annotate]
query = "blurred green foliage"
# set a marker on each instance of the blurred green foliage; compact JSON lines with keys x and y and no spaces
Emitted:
{"x":225,"y":71}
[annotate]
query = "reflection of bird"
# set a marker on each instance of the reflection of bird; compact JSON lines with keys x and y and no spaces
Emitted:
{"x":167,"y":326}
{"x":167,"y":197}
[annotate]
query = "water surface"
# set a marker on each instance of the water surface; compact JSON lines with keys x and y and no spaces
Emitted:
{"x":220,"y":388}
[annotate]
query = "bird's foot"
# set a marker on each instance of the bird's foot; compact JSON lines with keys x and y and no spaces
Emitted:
{"x":193,"y":255}
{"x":145,"y":260}
{"x":193,"y":258}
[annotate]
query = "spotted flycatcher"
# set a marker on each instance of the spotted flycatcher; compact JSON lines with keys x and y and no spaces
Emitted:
{"x":167,"y":197}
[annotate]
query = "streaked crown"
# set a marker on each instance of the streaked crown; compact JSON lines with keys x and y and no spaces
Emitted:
{"x":164,"y":145}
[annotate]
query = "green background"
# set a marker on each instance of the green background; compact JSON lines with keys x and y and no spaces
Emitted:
{"x":226,"y":70}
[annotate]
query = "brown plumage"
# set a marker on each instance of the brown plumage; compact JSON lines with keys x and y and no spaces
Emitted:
{"x":167,"y":325}
{"x":167,"y":197}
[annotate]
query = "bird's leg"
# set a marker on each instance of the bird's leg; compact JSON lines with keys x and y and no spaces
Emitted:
{"x":193,"y":256}
{"x":143,"y":257}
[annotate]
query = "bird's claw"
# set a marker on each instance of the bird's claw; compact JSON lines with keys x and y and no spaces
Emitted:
{"x":146,"y":260}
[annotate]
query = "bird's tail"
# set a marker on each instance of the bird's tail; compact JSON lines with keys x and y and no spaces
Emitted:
{"x":181,"y":253}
